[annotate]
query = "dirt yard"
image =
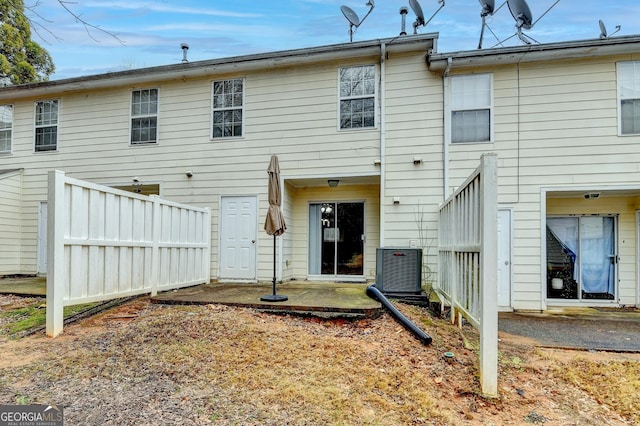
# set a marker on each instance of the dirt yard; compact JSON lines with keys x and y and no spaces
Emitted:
{"x":144,"y":364}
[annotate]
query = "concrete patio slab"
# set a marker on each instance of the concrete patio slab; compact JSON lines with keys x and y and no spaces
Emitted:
{"x":330,"y":299}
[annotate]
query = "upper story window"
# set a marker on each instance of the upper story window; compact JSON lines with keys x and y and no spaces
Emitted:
{"x":227,"y":108}
{"x":470,"y":108}
{"x":629,"y":96}
{"x":357,"y":97}
{"x":6,"y":128}
{"x":144,"y":116}
{"x":46,"y":124}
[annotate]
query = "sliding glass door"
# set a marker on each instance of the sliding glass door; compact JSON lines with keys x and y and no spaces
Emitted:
{"x":336,"y":238}
{"x":581,"y":257}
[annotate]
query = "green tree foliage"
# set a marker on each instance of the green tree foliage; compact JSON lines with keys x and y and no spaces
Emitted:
{"x":22,"y":60}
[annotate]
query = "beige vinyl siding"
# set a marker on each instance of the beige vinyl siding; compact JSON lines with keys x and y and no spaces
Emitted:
{"x":555,"y":125}
{"x":288,"y":242}
{"x":291,"y":112}
{"x":414,"y":128}
{"x":10,"y":236}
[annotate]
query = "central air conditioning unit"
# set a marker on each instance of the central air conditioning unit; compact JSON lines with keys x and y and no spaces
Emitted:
{"x":399,"y":270}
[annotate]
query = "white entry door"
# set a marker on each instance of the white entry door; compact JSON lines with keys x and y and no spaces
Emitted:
{"x":42,"y":239}
{"x":504,"y":259}
{"x":238,"y":235}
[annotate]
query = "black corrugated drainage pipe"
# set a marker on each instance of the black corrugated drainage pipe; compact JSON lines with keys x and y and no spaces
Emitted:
{"x":374,"y":293}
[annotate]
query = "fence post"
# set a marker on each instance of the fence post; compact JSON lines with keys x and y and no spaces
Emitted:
{"x":155,"y":248}
{"x":207,"y":240}
{"x":489,"y":278}
{"x":56,"y":279}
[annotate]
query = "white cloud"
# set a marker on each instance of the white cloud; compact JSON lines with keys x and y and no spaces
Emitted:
{"x":163,"y":8}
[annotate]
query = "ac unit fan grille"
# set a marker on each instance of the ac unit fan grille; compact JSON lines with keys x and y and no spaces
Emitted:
{"x":399,"y":270}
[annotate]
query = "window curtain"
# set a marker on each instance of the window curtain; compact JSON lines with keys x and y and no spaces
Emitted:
{"x":596,"y":244}
{"x":315,"y":240}
{"x":565,"y":230}
{"x":590,"y":243}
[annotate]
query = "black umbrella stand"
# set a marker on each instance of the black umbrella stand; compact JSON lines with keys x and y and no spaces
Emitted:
{"x":274,"y":297}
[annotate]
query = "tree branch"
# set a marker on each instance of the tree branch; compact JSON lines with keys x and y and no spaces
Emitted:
{"x":87,"y":26}
{"x":65,"y":4}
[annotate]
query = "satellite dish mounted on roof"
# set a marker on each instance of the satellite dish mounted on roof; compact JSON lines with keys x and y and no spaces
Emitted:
{"x":603,"y":30}
{"x":522,"y":14}
{"x":524,"y":19}
{"x":353,"y":19}
{"x":417,"y":9}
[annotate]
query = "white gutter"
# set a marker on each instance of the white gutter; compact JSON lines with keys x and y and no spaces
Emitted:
{"x":383,"y":139}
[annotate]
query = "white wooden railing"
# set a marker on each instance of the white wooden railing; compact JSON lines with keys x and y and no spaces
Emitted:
{"x":105,"y":243}
{"x":467,"y":262}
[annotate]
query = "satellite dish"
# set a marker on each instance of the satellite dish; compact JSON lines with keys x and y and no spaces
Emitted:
{"x":521,"y":13}
{"x":352,"y":17}
{"x":524,"y":19}
{"x":488,"y":7}
{"x":417,"y":9}
{"x":603,"y":30}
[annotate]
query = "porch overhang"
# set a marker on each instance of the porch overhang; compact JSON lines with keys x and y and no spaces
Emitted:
{"x":592,"y":192}
{"x":323,"y":181}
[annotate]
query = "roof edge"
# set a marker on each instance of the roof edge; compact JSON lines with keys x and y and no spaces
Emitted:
{"x":243,"y":63}
{"x":535,"y":52}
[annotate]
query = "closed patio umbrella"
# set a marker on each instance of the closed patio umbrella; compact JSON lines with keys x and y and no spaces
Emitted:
{"x":274,"y":223}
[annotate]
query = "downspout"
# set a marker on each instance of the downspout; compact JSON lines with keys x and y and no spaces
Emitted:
{"x":383,"y":141}
{"x":447,"y":132}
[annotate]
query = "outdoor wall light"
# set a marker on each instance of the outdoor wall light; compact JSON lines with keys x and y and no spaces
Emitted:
{"x":333,"y":182}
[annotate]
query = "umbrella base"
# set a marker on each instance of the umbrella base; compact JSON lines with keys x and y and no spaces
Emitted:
{"x":274,"y":298}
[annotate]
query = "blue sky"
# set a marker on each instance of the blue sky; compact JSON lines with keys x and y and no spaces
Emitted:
{"x":151,"y":31}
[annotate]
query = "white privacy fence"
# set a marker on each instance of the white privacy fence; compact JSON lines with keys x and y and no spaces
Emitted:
{"x":104,"y":244}
{"x":467,"y":261}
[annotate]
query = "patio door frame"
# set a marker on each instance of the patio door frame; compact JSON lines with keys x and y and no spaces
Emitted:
{"x":336,"y":275}
{"x":580,"y":299}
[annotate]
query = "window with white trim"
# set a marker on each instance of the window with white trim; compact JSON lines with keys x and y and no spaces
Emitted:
{"x":46,"y":126}
{"x":629,"y":97}
{"x":470,"y":108}
{"x":227,"y":108}
{"x":357,"y":97}
{"x":144,"y":116}
{"x":6,"y":128}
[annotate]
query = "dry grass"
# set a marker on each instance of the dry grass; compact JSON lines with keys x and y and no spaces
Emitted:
{"x":611,"y":382}
{"x":149,"y":364}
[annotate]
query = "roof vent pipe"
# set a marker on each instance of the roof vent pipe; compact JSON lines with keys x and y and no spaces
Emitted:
{"x":403,"y":12}
{"x":185,"y":48}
